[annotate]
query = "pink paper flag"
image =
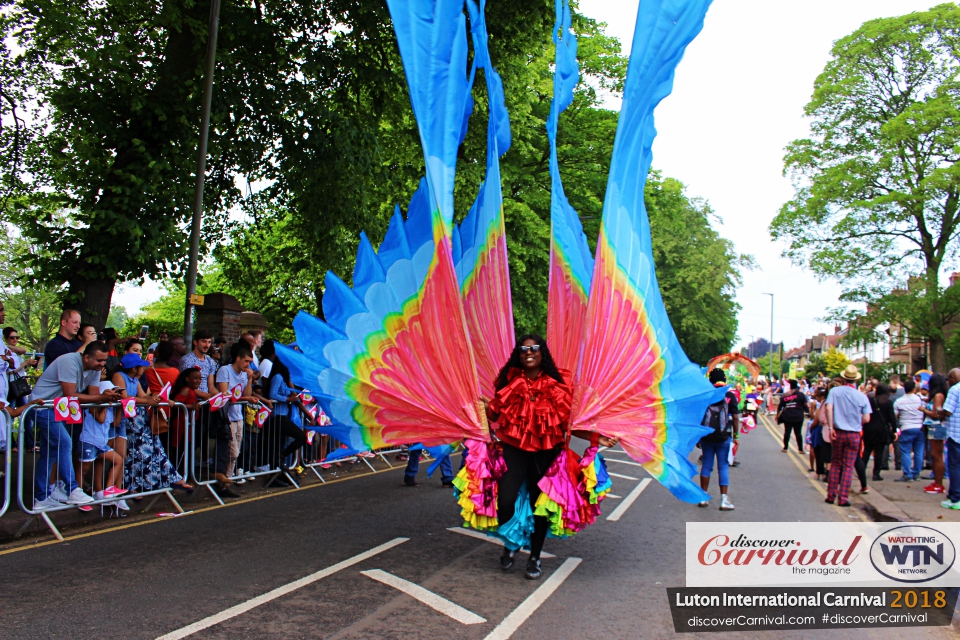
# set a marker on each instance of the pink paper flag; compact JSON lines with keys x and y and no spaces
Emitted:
{"x":262,"y":414}
{"x":129,"y":407}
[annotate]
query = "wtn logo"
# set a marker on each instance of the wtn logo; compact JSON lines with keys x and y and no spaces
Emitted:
{"x":912,"y":553}
{"x":899,"y":554}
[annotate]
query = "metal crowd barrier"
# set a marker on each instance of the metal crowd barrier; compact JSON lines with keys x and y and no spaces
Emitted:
{"x":144,"y":456}
{"x":258,"y":449}
{"x":195,"y":447}
{"x":7,"y":459}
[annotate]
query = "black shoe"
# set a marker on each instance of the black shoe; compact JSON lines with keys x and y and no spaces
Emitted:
{"x":506,"y":558}
{"x":448,"y":484}
{"x":227,"y":490}
{"x":877,"y":479}
{"x":533,"y":569}
{"x":885,"y":467}
{"x":736,"y":463}
{"x":829,"y":501}
{"x":279,"y":481}
{"x":843,"y":504}
{"x":410,"y":483}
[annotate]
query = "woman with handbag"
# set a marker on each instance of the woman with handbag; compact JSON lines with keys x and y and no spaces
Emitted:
{"x":147,"y":467}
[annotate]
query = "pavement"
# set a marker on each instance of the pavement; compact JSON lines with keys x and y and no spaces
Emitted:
{"x":366,"y":557}
{"x":887,"y":500}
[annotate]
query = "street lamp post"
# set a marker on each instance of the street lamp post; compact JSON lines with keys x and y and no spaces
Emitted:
{"x":194,"y":259}
{"x":770,"y":351}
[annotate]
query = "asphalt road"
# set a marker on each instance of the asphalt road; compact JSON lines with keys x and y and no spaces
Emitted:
{"x":151,"y":579}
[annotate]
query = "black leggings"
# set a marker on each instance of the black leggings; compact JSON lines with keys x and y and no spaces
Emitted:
{"x":797,"y":428}
{"x":524,"y":467}
{"x":279,"y":428}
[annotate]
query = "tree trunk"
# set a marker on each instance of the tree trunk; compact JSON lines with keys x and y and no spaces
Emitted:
{"x":92,"y":299}
{"x":938,"y":355}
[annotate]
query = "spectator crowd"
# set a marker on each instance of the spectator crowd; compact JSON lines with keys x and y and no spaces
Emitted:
{"x":911,"y":424}
{"x":135,"y":440}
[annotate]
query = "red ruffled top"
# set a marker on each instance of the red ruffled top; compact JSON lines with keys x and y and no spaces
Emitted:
{"x":533,"y":413}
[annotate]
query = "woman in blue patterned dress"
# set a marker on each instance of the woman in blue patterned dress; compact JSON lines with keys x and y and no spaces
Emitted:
{"x":147,"y":466}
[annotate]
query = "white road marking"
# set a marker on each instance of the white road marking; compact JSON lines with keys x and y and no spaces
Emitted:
{"x":636,"y":464}
{"x":482,"y":536}
{"x":618,"y":475}
{"x":243,"y":607}
{"x":428,"y":598}
{"x":610,"y":495}
{"x":623,"y":506}
{"x":518,"y":616}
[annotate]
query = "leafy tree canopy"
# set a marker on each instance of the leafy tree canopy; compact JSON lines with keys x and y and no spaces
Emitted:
{"x":877,"y":185}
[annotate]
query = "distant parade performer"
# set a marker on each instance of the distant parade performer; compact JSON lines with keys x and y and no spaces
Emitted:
{"x":723,"y":417}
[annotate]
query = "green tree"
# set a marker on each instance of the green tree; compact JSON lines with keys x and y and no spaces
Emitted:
{"x":877,"y":185}
{"x":815,"y":365}
{"x":113,"y":89}
{"x":118,"y":316}
{"x":835,"y":361}
{"x":34,"y":309}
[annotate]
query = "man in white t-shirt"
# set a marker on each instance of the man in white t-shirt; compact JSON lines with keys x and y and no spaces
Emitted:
{"x":228,"y":450}
{"x":911,"y":439}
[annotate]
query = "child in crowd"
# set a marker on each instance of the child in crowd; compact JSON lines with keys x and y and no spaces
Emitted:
{"x":95,"y":451}
{"x":185,"y":392}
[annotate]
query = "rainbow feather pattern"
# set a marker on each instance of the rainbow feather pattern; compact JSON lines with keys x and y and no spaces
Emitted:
{"x":480,"y":241}
{"x":379,"y":362}
{"x":634,"y":380}
{"x":372,"y":362}
{"x":570,"y":259}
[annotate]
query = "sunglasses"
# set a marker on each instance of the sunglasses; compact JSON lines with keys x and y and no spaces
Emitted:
{"x":13,"y":338}
{"x":527,"y":348}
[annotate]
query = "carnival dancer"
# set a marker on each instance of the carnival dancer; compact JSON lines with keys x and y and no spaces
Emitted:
{"x":531,"y":409}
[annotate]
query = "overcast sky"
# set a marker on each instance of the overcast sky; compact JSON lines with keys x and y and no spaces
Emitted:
{"x":737,"y":102}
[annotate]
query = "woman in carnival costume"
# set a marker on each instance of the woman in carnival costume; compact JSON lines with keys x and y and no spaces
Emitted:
{"x":531,"y":409}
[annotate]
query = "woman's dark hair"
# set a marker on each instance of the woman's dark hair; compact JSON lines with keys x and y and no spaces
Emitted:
{"x":937,"y":384}
{"x":181,"y":381}
{"x":547,"y":365}
{"x":129,"y":344}
{"x":717,"y":375}
{"x":881,"y":390}
{"x":164,"y":351}
{"x":268,"y":349}
{"x":280,"y":369}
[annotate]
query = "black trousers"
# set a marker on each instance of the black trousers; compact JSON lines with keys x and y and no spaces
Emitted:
{"x":824,"y":455}
{"x":524,"y":467}
{"x":877,"y":448}
{"x":797,"y":428}
{"x":278,"y":429}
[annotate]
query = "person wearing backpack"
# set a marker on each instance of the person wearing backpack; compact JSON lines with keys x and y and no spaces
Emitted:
{"x":724,"y":418}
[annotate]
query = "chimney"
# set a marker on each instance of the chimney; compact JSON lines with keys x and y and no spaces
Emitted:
{"x":954,"y":278}
{"x":836,"y":329}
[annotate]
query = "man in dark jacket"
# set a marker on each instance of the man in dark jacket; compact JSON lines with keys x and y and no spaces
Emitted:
{"x":879,"y":432}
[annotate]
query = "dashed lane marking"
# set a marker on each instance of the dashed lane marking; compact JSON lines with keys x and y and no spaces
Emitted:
{"x":518,"y":616}
{"x":618,"y":475}
{"x":428,"y":598}
{"x":631,"y":462}
{"x":243,"y":607}
{"x":610,"y":495}
{"x":482,"y":536}
{"x":628,"y":501}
